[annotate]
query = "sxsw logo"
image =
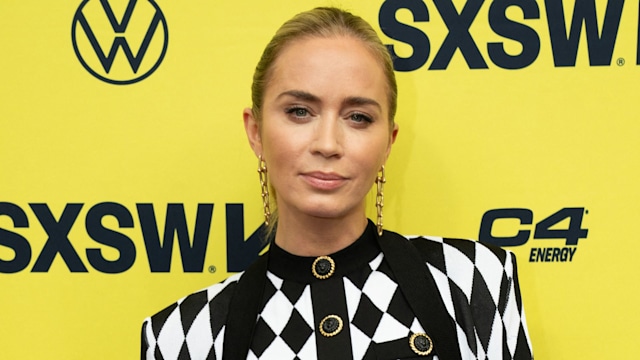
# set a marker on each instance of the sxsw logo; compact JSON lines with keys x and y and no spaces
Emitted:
{"x":120,"y":41}
{"x":569,"y":25}
{"x":109,"y":226}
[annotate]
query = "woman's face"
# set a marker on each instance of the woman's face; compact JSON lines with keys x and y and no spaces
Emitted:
{"x":325,"y":129}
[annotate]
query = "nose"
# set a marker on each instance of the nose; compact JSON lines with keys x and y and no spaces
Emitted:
{"x":328,"y":137}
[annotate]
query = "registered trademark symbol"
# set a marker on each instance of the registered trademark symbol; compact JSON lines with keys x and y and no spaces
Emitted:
{"x":620,"y":61}
{"x":212,"y":269}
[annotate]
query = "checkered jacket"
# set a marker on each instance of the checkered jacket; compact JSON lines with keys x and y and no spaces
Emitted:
{"x":462,"y":294}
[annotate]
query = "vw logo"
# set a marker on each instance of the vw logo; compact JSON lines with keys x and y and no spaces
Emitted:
{"x":120,"y":42}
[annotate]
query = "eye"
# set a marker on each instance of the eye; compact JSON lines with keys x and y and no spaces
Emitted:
{"x":298,"y":112}
{"x":360,"y":118}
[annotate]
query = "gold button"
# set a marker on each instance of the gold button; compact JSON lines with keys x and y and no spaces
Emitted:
{"x":330,"y":326}
{"x":421,"y":344}
{"x":323,"y":267}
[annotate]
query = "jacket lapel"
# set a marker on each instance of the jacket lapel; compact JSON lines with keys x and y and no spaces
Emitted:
{"x":243,"y":311}
{"x":419,"y":288}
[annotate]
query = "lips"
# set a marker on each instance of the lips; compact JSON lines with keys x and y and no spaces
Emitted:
{"x":324,"y":180}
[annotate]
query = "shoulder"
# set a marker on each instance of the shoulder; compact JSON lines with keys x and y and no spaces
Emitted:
{"x":202,"y":312}
{"x":478,"y":283}
{"x":465,"y":262}
{"x":437,"y":250}
{"x":195,"y":302}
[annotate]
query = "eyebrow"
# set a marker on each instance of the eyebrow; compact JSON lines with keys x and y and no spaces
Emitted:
{"x":352,"y":100}
{"x":301,"y":95}
{"x":358,"y":100}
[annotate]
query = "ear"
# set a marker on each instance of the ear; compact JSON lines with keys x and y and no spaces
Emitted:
{"x":392,"y":139}
{"x":252,"y":128}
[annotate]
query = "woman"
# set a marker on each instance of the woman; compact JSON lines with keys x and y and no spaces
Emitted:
{"x":334,"y":285}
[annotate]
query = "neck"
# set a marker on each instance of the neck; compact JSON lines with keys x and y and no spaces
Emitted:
{"x":313,"y":236}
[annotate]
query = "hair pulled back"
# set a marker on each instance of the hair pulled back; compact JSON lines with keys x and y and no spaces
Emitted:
{"x":324,"y":22}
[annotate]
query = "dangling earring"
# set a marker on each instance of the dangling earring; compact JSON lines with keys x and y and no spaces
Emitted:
{"x":380,"y":180}
{"x":262,"y":172}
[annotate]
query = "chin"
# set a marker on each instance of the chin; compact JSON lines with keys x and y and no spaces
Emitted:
{"x":327,"y":211}
{"x":323,"y":213}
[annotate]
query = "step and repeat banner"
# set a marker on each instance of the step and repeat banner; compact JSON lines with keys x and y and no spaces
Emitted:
{"x":126,"y":181}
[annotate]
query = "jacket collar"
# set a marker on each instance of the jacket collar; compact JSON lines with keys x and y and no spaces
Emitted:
{"x":298,"y":268}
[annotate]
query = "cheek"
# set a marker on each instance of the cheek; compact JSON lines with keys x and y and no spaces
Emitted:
{"x":280,"y":149}
{"x":372,"y":152}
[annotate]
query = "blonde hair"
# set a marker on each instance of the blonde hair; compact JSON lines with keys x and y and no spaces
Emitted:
{"x":323,"y":22}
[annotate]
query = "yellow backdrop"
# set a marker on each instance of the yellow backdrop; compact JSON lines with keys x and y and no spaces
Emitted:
{"x":94,"y":164}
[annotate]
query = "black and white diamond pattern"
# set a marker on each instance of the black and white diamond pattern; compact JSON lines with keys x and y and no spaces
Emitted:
{"x":285,"y":325}
{"x":478,"y":285}
{"x":378,"y":313}
{"x":185,"y":330}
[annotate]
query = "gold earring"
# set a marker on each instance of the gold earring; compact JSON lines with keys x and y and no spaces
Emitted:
{"x":380,"y":180}
{"x":264,"y":187}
